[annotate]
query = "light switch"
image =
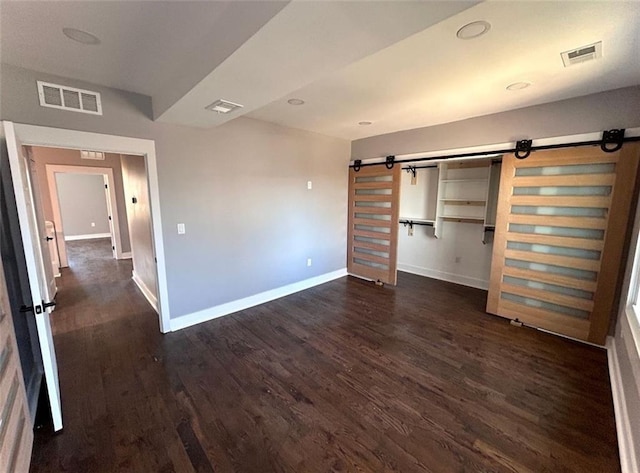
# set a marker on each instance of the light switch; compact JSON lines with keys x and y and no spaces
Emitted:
{"x":309,"y":185}
{"x":181,"y":229}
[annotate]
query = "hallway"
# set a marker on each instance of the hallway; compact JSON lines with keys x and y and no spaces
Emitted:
{"x":95,"y":288}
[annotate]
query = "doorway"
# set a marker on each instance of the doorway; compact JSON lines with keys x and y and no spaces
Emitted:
{"x":143,"y":149}
{"x":85,"y":202}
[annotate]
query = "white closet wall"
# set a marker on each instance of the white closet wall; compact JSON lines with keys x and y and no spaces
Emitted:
{"x":459,"y":255}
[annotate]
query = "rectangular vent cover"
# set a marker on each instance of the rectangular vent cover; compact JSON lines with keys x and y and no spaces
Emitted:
{"x":223,"y":106}
{"x":96,"y":155}
{"x":582,"y":54}
{"x":69,"y":98}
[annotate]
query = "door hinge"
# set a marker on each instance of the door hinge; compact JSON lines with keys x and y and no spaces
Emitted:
{"x":106,"y":186}
{"x":113,"y":248}
{"x":109,"y":217}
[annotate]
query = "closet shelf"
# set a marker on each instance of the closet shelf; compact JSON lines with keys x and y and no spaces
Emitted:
{"x":464,"y":201}
{"x":463,"y":219}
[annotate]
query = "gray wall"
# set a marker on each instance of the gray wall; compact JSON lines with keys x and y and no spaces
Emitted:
{"x":614,"y":109}
{"x":69,"y":157}
{"x":240,"y":189}
{"x":82,"y":202}
{"x":134,"y":175}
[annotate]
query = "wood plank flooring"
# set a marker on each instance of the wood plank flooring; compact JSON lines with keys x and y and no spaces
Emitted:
{"x":346,"y":377}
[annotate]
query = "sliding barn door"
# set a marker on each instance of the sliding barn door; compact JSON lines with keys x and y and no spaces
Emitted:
{"x":561,"y":229}
{"x":374,"y":196}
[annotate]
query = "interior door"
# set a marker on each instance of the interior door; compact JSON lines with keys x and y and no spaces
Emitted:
{"x":16,"y":432}
{"x":38,"y":260}
{"x":374,"y":200}
{"x":562,"y":224}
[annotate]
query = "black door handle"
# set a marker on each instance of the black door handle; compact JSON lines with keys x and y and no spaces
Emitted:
{"x":46,"y":305}
{"x":48,"y":238}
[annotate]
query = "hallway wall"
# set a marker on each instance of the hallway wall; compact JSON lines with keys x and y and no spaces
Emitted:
{"x":136,"y":189}
{"x":69,"y":157}
{"x":82,"y":202}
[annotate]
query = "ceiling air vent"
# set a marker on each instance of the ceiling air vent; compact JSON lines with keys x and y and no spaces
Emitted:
{"x":582,"y":54}
{"x":69,"y":98}
{"x":96,"y":155}
{"x":223,"y":106}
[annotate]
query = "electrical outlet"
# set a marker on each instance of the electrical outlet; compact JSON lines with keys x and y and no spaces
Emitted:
{"x":309,"y":185}
{"x":181,"y":229}
{"x":93,"y":224}
{"x":308,"y":261}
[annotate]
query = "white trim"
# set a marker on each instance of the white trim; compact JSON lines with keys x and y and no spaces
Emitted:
{"x":251,"y":301}
{"x":89,"y":236}
{"x":60,"y":138}
{"x":593,"y":136}
{"x":628,"y":461}
{"x":148,"y":295}
{"x":443,"y":276}
{"x":126,"y":255}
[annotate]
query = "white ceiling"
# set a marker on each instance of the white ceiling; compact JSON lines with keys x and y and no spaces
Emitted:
{"x":157,"y":48}
{"x":433,"y":77}
{"x":395,"y":63}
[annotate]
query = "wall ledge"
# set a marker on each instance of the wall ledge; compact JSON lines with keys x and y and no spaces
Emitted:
{"x":628,"y":461}
{"x":221,"y":310}
{"x":443,"y":276}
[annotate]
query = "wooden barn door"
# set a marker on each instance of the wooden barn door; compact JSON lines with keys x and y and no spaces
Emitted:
{"x":561,"y":228}
{"x":374,"y":197}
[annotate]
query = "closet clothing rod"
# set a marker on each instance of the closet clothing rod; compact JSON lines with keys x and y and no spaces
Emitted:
{"x":611,"y":141}
{"x":409,"y":168}
{"x":414,"y":222}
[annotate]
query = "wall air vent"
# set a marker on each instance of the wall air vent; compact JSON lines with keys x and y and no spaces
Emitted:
{"x":582,"y":54}
{"x":223,"y":106}
{"x":95,"y":155}
{"x":69,"y":98}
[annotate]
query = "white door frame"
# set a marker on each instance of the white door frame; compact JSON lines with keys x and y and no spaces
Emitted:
{"x":60,"y":138}
{"x":112,"y":205}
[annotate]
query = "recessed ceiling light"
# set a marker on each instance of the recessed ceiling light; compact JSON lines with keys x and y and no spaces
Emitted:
{"x":80,"y":36}
{"x":364,"y":123}
{"x":518,"y":85}
{"x":473,"y":29}
{"x":295,"y":102}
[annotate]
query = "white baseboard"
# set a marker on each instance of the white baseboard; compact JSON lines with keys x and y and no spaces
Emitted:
{"x":628,"y":461}
{"x":126,"y":255}
{"x":251,"y":301}
{"x":89,"y":236}
{"x":450,"y":277}
{"x":148,"y":295}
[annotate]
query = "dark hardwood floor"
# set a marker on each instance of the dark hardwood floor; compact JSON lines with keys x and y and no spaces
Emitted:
{"x":343,"y":377}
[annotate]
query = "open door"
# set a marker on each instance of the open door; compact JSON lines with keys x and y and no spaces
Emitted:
{"x":41,"y":278}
